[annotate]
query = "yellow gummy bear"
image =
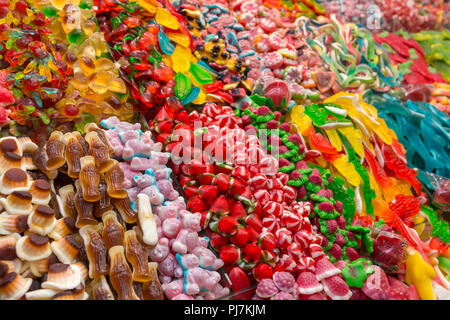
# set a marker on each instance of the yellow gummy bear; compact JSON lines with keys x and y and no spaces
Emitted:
{"x":181,"y":59}
{"x":165,"y":18}
{"x":420,"y":273}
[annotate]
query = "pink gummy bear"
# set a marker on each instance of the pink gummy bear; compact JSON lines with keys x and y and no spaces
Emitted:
{"x":129,"y":175}
{"x":179,"y":203}
{"x":169,"y":267}
{"x":185,"y":241}
{"x":141,"y":164}
{"x":135,"y":147}
{"x":199,"y":279}
{"x":144,"y":181}
{"x":129,"y":135}
{"x":190,"y":221}
{"x":111,"y":122}
{"x":174,"y":288}
{"x":171,"y":227}
{"x":167,"y":211}
{"x":132,"y":193}
{"x":160,"y":251}
{"x":207,"y":259}
{"x":162,"y":174}
{"x":166,"y":188}
{"x":161,"y":157}
{"x":115,"y":142}
{"x":217,"y":292}
{"x":153,"y":193}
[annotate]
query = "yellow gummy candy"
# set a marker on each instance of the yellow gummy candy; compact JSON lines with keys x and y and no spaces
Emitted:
{"x":334,"y":139}
{"x":150,"y":7}
{"x":200,"y":99}
{"x":167,"y":61}
{"x":347,"y":169}
{"x":354,"y":137}
{"x":181,"y":59}
{"x":420,"y":273}
{"x":301,"y":120}
{"x":165,"y":18}
{"x":180,"y":38}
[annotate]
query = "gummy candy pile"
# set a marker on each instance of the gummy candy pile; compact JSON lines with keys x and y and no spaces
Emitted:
{"x":214,"y":149}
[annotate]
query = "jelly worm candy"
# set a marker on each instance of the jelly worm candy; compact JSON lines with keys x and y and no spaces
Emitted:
{"x":120,"y":274}
{"x":114,"y":179}
{"x":137,"y":256}
{"x":96,"y":250}
{"x":89,"y":179}
{"x":146,"y":220}
{"x":113,"y":231}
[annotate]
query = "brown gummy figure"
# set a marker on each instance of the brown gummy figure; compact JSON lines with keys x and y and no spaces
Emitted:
{"x":114,"y":180}
{"x":152,"y":290}
{"x":85,"y":210}
{"x":99,"y":151}
{"x":120,"y":274}
{"x":96,"y":250}
{"x":113,"y":231}
{"x":55,"y":151}
{"x":89,"y":179}
{"x":137,"y":256}
{"x":104,"y":204}
{"x":124,"y":207}
{"x":74,"y":152}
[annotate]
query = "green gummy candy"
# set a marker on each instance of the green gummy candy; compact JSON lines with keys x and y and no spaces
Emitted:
{"x":200,"y":74}
{"x":182,"y":86}
{"x":354,"y":275}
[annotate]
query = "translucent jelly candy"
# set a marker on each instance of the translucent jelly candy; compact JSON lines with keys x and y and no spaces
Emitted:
{"x":166,"y":19}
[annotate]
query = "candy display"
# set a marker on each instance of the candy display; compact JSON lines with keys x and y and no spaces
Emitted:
{"x":224,"y":150}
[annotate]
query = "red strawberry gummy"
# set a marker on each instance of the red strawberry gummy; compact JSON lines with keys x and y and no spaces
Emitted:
{"x":227,"y":225}
{"x":251,"y":252}
{"x":220,"y":206}
{"x":240,"y":238}
{"x":238,"y":211}
{"x":262,"y":271}
{"x":239,"y":281}
{"x":229,"y":254}
{"x":208,"y":193}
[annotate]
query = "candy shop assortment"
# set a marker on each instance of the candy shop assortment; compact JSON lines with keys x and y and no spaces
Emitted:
{"x":213,"y":149}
